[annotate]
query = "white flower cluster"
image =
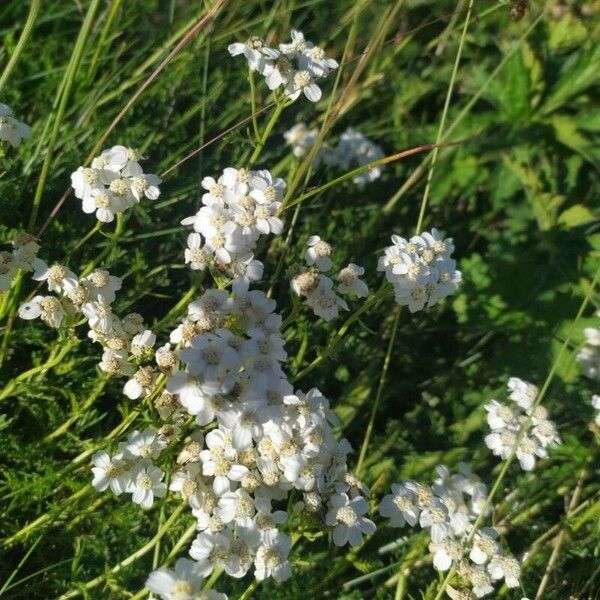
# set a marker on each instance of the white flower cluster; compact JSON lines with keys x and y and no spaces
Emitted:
{"x":132,"y":469}
{"x":11,"y":130}
{"x":294,"y":66}
{"x":353,"y":149}
{"x":224,"y":373}
{"x":447,"y":509}
{"x":238,"y":208}
{"x":126,"y":341}
{"x":421,"y":269}
{"x":183,"y":583}
{"x":114,"y":182}
{"x":507,"y":421}
{"x":311,"y":282}
{"x":23,"y":256}
{"x":589,"y":355}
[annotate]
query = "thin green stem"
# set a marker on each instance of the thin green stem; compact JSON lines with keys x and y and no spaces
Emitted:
{"x":34,"y":9}
{"x":440,"y":131}
{"x":279,"y":107}
{"x":253,"y":103}
{"x":380,"y":386}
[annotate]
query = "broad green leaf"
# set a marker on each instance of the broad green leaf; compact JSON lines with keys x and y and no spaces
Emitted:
{"x":575,"y":216}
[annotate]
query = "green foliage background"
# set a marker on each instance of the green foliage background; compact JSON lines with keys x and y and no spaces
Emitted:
{"x":519,"y":195}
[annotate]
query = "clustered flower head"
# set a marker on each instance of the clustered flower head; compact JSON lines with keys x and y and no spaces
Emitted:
{"x":589,"y":355}
{"x":421,"y":269}
{"x":294,"y":66}
{"x":113,"y":183}
{"x":312,"y":284}
{"x":239,"y":207}
{"x":23,"y":256}
{"x":11,"y":130}
{"x":520,"y":426}
{"x":353,"y":149}
{"x":448,"y":509}
{"x":222,"y":372}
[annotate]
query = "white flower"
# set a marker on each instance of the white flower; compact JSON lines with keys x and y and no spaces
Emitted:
{"x":48,"y":308}
{"x":58,"y":278}
{"x":324,"y":302}
{"x":435,"y":517}
{"x":11,"y":130}
{"x":522,"y":392}
{"x":101,"y":285}
{"x":485,"y":545}
{"x":144,"y":444}
{"x":145,"y":185}
{"x":211,"y":359}
{"x":499,"y":416}
{"x":346,"y":518}
{"x":400,"y":507}
{"x":218,"y":461}
{"x":110,"y":472}
{"x":251,"y":50}
{"x":271,"y":557}
{"x":197,"y":257}
{"x":355,"y":148}
{"x":506,"y":567}
{"x":318,"y":253}
{"x":445,"y":553}
{"x":184,"y":583}
{"x":480,"y":580}
{"x":148,"y":484}
{"x":105,"y":204}
{"x":350,"y":282}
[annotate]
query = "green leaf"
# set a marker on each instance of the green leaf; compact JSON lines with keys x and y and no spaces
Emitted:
{"x":578,"y":73}
{"x":565,"y":32}
{"x":575,"y":216}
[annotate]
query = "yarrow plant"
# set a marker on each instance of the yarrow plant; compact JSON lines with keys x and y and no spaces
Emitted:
{"x":353,"y":150}
{"x":239,"y":207}
{"x":293,"y":67}
{"x":521,"y":427}
{"x":113,"y":183}
{"x":220,"y":427}
{"x":421,"y":269}
{"x":447,"y":510}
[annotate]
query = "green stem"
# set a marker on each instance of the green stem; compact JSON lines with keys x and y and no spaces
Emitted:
{"x":380,"y":386}
{"x":34,"y":9}
{"x":65,"y":95}
{"x":440,"y":131}
{"x":267,"y":131}
{"x":253,"y":103}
